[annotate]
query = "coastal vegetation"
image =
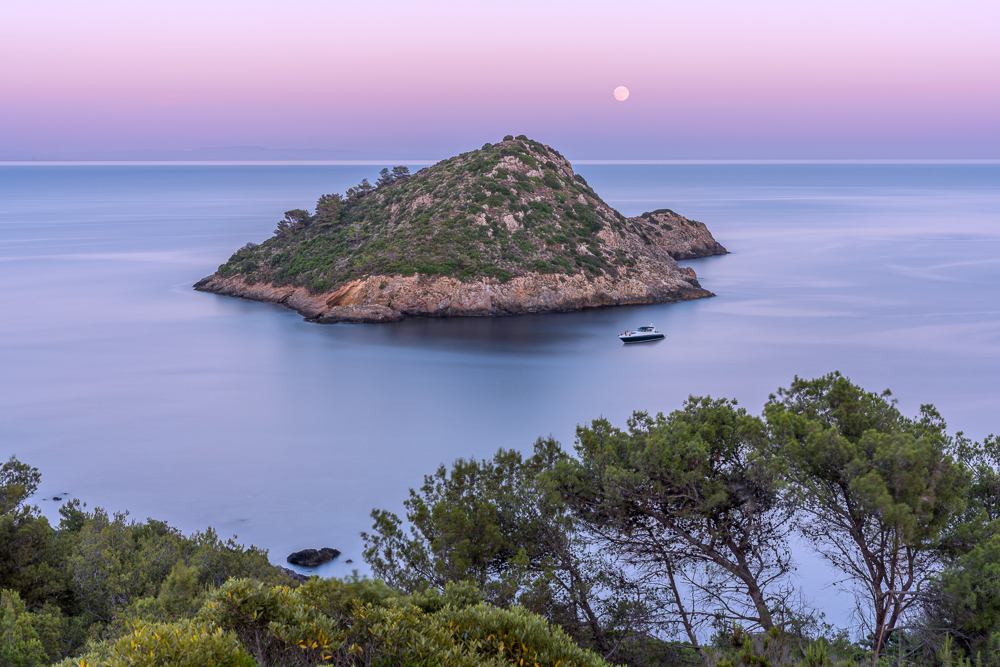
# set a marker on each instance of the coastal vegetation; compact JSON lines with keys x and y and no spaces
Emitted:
{"x":664,"y":542}
{"x":670,"y":541}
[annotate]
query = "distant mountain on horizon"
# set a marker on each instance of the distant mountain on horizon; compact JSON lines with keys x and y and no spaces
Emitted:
{"x":220,"y":153}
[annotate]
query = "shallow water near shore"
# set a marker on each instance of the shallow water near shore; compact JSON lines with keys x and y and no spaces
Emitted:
{"x":129,"y":390}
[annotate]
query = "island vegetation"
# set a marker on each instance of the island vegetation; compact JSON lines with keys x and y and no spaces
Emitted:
{"x":664,"y":542}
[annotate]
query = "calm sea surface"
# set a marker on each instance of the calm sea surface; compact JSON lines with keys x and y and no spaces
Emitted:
{"x":129,"y":390}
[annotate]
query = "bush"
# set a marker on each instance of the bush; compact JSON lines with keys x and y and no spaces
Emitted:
{"x":272,"y":622}
{"x":26,"y":639}
{"x":183,"y":644}
{"x":360,"y":621}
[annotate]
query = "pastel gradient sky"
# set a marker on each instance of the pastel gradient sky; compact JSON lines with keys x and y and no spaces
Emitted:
{"x":709,"y":79}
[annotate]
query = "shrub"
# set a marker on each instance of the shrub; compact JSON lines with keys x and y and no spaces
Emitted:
{"x":272,"y":623}
{"x":183,"y":644}
{"x":26,"y":639}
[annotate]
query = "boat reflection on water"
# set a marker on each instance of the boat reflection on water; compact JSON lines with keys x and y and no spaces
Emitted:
{"x":641,"y":335}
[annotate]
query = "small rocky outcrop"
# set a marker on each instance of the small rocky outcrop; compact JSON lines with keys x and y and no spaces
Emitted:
{"x":292,"y":574}
{"x":312,"y":557}
{"x":506,"y":229}
{"x":683,"y":238}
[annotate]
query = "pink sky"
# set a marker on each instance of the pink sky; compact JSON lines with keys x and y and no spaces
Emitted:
{"x":708,"y":79}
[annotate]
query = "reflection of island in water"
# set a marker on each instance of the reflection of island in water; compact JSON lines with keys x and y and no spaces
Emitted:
{"x":502,"y":230}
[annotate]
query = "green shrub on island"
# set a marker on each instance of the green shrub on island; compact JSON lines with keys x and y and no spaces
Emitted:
{"x":406,"y":224}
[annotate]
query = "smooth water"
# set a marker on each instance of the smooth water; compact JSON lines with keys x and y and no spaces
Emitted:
{"x":131,"y":391}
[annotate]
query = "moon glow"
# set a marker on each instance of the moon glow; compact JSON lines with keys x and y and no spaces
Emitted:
{"x":621,"y":93}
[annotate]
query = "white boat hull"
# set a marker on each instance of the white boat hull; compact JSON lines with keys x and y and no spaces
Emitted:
{"x":642,"y":338}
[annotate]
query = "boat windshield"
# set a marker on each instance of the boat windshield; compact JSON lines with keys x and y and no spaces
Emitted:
{"x":645,"y":329}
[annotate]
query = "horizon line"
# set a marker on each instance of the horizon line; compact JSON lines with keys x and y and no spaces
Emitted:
{"x":403,"y":161}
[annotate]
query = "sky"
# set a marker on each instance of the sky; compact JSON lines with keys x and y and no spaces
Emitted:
{"x":708,"y":79}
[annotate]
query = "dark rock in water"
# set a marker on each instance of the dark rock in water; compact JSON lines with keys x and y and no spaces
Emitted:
{"x":348,"y":561}
{"x":312,"y":557}
{"x":56,"y":498}
{"x":292,"y":574}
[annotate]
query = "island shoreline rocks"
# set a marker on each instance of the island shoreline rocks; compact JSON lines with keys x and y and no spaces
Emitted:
{"x":401,"y":297}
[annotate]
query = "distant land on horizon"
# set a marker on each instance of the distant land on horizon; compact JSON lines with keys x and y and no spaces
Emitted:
{"x":263,"y":154}
{"x":220,"y":153}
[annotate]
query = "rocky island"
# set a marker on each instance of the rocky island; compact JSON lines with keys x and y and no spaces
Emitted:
{"x":506,"y":229}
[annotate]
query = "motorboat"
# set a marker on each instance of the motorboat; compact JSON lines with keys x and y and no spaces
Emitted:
{"x":641,"y":335}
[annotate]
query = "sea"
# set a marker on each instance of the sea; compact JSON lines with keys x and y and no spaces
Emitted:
{"x":131,"y":391}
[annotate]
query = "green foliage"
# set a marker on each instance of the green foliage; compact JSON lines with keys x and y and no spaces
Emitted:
{"x":965,"y":600}
{"x":181,"y":596}
{"x":294,"y":221}
{"x":97,"y":572}
{"x":468,"y":635}
{"x":355,"y":621}
{"x":414,"y":224}
{"x":328,"y":209}
{"x":492,"y":523}
{"x":551,"y":180}
{"x":876,"y":491}
{"x":116,"y":562}
{"x":18,"y":481}
{"x":659,"y":530}
{"x":27,"y":639}
{"x":275,"y":625}
{"x":181,"y":644}
{"x":694,"y":491}
{"x":980,"y":520}
{"x":30,"y":555}
{"x":469,"y":523}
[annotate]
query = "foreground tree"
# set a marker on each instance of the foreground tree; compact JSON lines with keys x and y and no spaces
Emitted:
{"x":695,"y":491}
{"x":491,"y":523}
{"x":31,"y":556}
{"x":876,"y":491}
{"x":964,"y":601}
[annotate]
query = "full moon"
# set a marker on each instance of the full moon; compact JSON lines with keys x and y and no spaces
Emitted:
{"x":621,"y":93}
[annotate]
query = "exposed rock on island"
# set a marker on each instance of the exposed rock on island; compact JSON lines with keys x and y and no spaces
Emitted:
{"x":506,"y":229}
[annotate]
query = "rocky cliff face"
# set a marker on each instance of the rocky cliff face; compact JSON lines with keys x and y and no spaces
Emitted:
{"x":391,"y":298}
{"x":682,"y":238}
{"x":504,"y":230}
